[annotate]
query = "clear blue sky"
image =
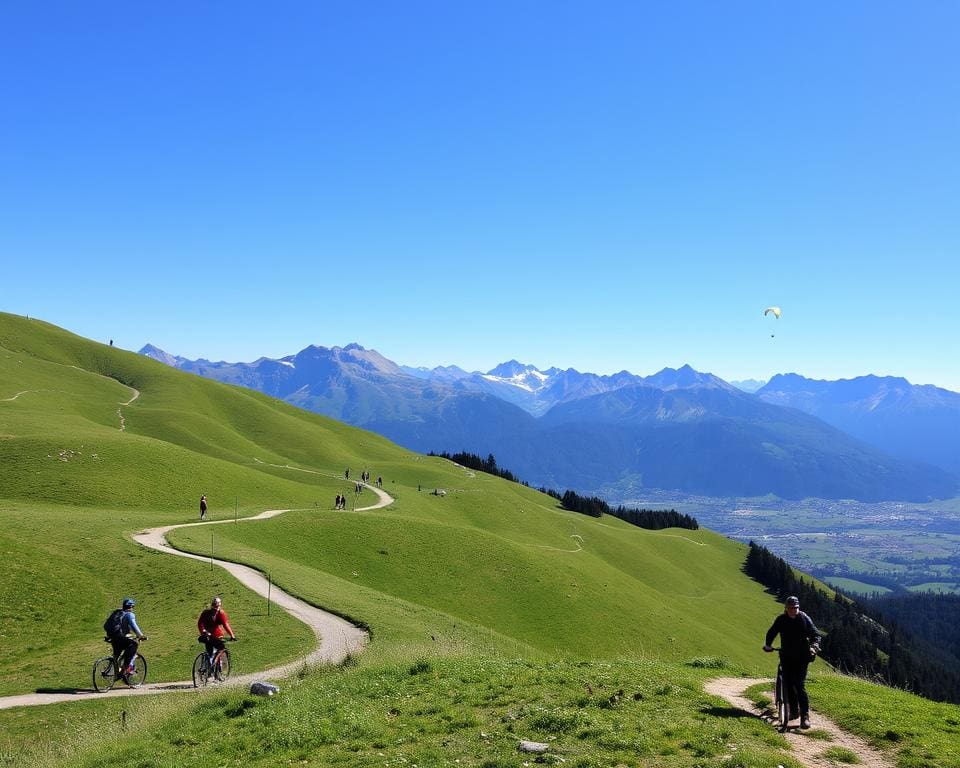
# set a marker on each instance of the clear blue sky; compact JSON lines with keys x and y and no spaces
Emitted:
{"x":597,"y":185}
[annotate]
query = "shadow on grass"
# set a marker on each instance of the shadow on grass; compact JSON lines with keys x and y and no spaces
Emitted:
{"x":726,"y":712}
{"x":63,"y":690}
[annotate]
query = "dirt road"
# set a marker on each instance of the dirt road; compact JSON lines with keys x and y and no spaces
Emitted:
{"x":806,"y":749}
{"x":336,"y":637}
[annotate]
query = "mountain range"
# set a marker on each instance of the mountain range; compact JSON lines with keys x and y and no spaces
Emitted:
{"x":677,"y":429}
{"x":915,"y":422}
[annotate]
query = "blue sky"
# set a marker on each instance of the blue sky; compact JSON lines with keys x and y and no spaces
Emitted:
{"x":602,"y":186}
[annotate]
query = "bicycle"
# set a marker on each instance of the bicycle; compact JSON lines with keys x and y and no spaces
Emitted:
{"x":108,"y":669}
{"x":204,"y":667}
{"x":781,"y":699}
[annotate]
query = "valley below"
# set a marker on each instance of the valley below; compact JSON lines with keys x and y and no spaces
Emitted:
{"x":863,"y":548}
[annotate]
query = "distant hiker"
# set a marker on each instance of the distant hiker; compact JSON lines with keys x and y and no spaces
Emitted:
{"x":111,"y":342}
{"x":379,"y":481}
{"x":418,"y":487}
{"x":213,"y":624}
{"x":799,"y":645}
{"x":346,"y":473}
{"x":203,"y":506}
{"x":124,"y":634}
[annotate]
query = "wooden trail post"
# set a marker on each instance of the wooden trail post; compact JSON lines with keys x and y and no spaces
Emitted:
{"x":269,"y":589}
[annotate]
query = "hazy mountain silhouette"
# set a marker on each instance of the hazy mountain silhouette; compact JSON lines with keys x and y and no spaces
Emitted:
{"x":678,"y":428}
{"x":916,"y":422}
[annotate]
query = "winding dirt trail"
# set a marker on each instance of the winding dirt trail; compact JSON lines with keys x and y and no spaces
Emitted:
{"x":336,"y":637}
{"x":123,"y":421}
{"x":807,"y":750}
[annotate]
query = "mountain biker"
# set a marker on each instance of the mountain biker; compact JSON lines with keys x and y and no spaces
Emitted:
{"x":213,"y":625}
{"x":126,"y":640}
{"x":799,"y":645}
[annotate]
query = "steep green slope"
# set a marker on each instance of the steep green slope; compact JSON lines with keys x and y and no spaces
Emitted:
{"x":488,"y":572}
{"x":491,"y":557}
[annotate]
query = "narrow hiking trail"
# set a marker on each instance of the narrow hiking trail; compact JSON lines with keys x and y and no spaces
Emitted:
{"x":123,"y":421}
{"x":808,"y":750}
{"x":336,"y":637}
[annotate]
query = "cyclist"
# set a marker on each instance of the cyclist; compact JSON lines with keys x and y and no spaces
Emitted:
{"x":213,"y":625}
{"x":799,"y":644}
{"x":126,"y":639}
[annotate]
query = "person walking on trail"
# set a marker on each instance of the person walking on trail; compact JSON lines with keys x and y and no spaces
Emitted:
{"x":213,"y":625}
{"x":346,"y":473}
{"x":124,"y":634}
{"x":203,"y":507}
{"x":799,"y":645}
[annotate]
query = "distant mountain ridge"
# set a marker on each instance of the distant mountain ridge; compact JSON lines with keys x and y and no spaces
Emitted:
{"x":919,"y":422}
{"x":678,"y":428}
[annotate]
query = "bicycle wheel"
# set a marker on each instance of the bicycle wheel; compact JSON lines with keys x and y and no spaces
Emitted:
{"x":104,"y":674}
{"x":201,"y":672}
{"x":783,"y":705}
{"x":222,"y":670}
{"x":136,"y":678}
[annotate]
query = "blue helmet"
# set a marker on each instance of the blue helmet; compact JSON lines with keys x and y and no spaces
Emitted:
{"x":129,"y":602}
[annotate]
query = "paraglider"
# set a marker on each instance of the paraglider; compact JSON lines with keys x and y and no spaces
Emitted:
{"x":776,"y":313}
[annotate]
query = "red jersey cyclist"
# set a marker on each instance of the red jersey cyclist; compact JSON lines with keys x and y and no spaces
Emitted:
{"x":213,"y":624}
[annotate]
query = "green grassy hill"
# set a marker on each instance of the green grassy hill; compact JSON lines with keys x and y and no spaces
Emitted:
{"x":491,"y":571}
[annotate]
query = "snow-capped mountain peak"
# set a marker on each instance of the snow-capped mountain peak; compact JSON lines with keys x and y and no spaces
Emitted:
{"x":525,"y":377}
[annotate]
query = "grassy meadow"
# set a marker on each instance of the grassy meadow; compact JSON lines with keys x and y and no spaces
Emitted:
{"x":493,"y":614}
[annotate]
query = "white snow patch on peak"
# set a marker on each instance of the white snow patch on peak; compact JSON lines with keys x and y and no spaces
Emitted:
{"x":530,"y":380}
{"x":516,"y":381}
{"x":287,"y":362}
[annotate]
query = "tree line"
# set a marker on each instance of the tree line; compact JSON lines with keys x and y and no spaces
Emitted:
{"x":858,"y":638}
{"x":651,"y":519}
{"x":473,"y":461}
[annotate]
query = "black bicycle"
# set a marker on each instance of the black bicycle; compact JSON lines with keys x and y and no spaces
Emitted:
{"x":108,"y":669}
{"x":207,"y":667}
{"x":781,"y":697}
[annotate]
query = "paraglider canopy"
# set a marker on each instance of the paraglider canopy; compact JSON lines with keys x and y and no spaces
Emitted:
{"x":776,"y":312}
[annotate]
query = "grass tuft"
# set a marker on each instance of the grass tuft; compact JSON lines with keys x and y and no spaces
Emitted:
{"x":841,"y":755}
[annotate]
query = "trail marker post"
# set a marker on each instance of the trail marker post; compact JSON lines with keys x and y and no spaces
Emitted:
{"x":269,"y":589}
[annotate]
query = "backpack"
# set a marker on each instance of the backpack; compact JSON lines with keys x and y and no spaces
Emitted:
{"x":113,"y":626}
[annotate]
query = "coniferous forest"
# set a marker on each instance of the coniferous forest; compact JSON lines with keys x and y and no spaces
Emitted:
{"x":651,"y":519}
{"x":864,"y":640}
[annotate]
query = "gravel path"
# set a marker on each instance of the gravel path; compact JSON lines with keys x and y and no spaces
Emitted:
{"x":336,"y":637}
{"x":807,"y":750}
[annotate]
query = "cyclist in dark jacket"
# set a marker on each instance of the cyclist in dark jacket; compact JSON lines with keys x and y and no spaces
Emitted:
{"x":799,"y":644}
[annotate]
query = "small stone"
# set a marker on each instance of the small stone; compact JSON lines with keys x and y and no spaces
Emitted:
{"x":263,"y":689}
{"x":537,"y":747}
